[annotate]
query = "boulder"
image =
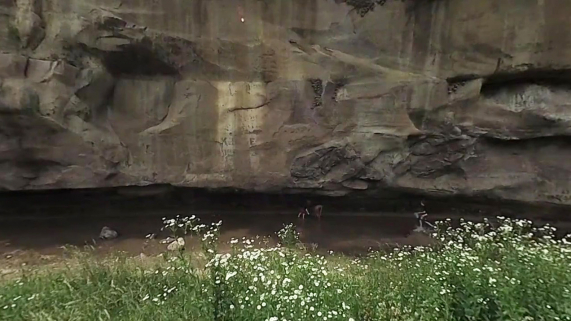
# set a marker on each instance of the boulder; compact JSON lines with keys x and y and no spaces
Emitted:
{"x":108,"y":234}
{"x":176,"y":245}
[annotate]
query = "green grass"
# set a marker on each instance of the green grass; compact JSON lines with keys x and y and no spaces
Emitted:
{"x":477,"y":272}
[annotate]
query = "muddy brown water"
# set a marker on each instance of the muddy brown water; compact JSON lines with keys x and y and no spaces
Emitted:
{"x":37,"y":241}
{"x":350,"y":235}
{"x":34,"y":226}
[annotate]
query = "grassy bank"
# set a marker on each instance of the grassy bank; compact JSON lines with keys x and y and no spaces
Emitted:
{"x":477,"y":272}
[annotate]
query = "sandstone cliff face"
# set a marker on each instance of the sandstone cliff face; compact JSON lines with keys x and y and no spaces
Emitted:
{"x":442,"y":97}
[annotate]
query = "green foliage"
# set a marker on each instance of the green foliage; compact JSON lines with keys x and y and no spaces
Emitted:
{"x":288,"y":235}
{"x":477,"y":272}
{"x":180,"y":226}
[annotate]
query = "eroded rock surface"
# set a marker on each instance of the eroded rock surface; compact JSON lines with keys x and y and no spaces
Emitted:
{"x":441,"y":97}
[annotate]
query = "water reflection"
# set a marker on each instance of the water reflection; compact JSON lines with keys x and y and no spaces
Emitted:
{"x":338,"y":233}
{"x":352,"y":235}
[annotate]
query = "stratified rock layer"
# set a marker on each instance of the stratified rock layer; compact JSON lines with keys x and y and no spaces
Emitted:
{"x":441,"y":97}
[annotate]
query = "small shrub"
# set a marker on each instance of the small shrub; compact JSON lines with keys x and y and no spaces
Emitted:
{"x":288,"y":235}
{"x":210,"y":240}
{"x":180,"y":226}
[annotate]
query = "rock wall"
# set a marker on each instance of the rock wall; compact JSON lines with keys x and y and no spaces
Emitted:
{"x":437,"y":97}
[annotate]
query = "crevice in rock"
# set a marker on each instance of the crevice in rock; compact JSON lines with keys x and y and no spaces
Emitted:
{"x":547,"y":78}
{"x":494,"y":83}
{"x":264,"y":104}
{"x":461,"y":79}
{"x":362,"y":7}
{"x":531,"y":76}
{"x":111,"y":23}
{"x":137,"y":60}
{"x":561,"y":140}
